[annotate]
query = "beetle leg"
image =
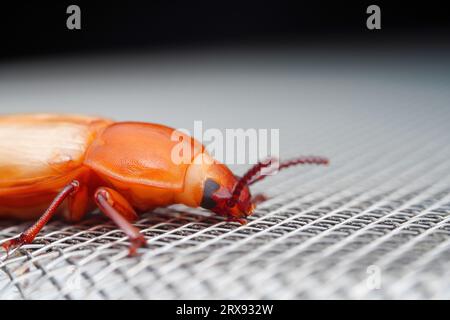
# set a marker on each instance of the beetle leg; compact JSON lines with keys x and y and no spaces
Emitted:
{"x":77,"y":204}
{"x":242,"y":221}
{"x":28,"y":235}
{"x":113,"y":205}
{"x":259,"y":198}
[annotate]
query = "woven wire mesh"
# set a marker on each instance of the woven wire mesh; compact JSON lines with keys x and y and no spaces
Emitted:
{"x":383,"y":204}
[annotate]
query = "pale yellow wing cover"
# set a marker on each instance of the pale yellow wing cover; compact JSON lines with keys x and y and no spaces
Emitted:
{"x":34,"y":147}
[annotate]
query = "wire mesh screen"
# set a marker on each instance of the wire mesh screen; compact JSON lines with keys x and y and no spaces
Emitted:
{"x":373,"y":224}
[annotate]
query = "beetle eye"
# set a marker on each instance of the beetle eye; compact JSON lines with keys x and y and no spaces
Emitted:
{"x":209,"y":188}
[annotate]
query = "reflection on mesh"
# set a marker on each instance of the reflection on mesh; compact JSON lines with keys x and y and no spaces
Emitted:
{"x":374,"y":224}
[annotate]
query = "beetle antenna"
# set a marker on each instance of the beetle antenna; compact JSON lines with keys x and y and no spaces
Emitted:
{"x":254,"y":173}
{"x":293,"y":162}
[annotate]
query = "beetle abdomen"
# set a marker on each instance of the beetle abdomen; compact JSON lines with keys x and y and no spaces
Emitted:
{"x":36,"y":147}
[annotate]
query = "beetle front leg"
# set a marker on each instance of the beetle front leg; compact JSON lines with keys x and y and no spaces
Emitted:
{"x":117,"y":208}
{"x":242,"y":221}
{"x":28,"y":235}
{"x":259,"y":198}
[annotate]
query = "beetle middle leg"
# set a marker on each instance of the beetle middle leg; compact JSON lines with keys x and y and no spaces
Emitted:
{"x":28,"y":235}
{"x":117,"y":208}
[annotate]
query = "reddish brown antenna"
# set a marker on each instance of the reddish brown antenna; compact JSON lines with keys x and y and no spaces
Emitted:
{"x":253,"y":174}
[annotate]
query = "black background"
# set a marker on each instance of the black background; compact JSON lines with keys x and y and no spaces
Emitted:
{"x":36,"y":28}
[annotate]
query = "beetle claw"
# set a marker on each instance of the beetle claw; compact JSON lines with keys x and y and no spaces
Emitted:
{"x":242,"y":221}
{"x":11,"y":246}
{"x":259,"y":198}
{"x":136,"y":243}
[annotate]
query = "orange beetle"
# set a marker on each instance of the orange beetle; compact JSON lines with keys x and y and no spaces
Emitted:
{"x":71,"y":164}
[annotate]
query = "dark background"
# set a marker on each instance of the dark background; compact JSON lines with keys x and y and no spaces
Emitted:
{"x":38,"y":28}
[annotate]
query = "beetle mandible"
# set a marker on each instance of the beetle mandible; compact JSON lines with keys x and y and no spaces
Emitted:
{"x":71,"y":164}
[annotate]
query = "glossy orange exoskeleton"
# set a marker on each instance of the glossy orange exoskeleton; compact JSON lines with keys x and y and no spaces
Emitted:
{"x":71,"y":164}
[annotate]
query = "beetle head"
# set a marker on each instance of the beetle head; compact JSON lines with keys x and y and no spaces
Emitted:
{"x":218,"y":188}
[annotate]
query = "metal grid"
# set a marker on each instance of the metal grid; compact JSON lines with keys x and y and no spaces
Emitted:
{"x":383,"y":205}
